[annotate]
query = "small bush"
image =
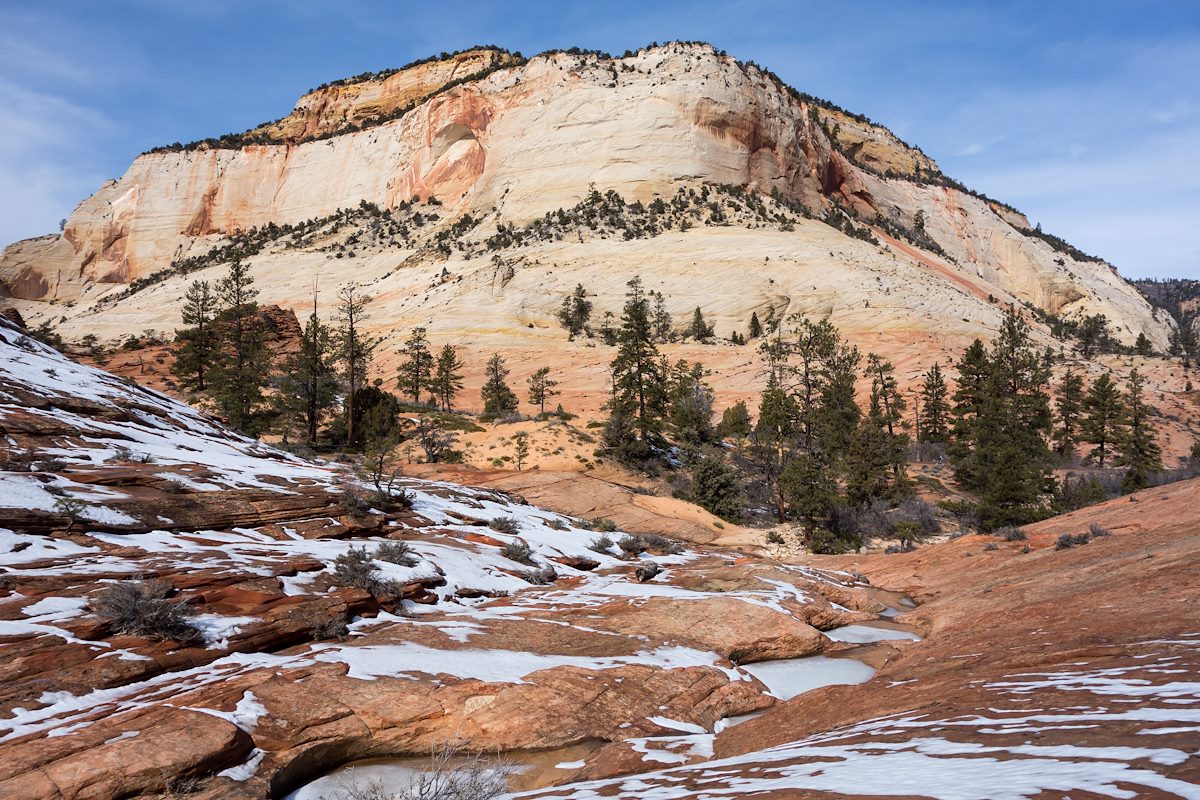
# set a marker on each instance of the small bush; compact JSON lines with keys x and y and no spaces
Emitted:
{"x":142,"y":608}
{"x":1068,"y":540}
{"x":396,"y":552}
{"x":1010,"y":533}
{"x":774,"y":537}
{"x":557,"y":525}
{"x":601,"y":545}
{"x":323,"y":626}
{"x":661,"y":544}
{"x":518,"y":551}
{"x":386,"y":500}
{"x":631,"y":545}
{"x":991,"y":546}
{"x":172,"y":486}
{"x":356,"y":569}
{"x":541,"y":577}
{"x":504,"y":525}
{"x":826,"y":542}
{"x":1097,"y":530}
{"x":352,"y":501}
{"x":604,"y":525}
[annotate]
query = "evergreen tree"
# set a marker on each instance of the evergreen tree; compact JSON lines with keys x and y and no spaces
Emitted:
{"x":498,"y":399}
{"x":417,"y":368}
{"x":773,"y":438}
{"x":1140,"y":453}
{"x":868,"y":463}
{"x":240,"y":373}
{"x":576,"y":311}
{"x":691,"y":405}
{"x":735,"y":421}
{"x":813,"y":346}
{"x":355,"y":348}
{"x":934,"y":426}
{"x":198,"y":342}
{"x":1104,"y":422}
{"x":837,"y":413}
{"x":969,"y":396}
{"x":887,"y":412}
{"x":639,"y":377}
{"x":699,"y":329}
{"x":808,"y":488}
{"x":662,"y":319}
{"x":1143,"y":346}
{"x":1093,"y":335}
{"x":541,"y":388}
{"x":717,"y":488}
{"x":447,"y":380}
{"x":756,"y":329}
{"x":1068,"y":407}
{"x":520,"y":449}
{"x":309,"y":384}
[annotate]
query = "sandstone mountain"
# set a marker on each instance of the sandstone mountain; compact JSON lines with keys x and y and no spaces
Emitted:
{"x":469,"y":193}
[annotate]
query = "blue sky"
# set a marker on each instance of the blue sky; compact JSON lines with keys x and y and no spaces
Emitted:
{"x":1086,"y":115}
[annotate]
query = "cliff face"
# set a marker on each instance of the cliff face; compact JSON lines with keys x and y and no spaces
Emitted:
{"x":530,"y":137}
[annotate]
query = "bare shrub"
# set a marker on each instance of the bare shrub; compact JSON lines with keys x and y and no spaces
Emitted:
{"x":518,"y":551}
{"x":631,"y":545}
{"x":602,"y":544}
{"x":504,"y":525}
{"x":1097,"y":530}
{"x":661,"y":544}
{"x":1010,"y":533}
{"x":356,"y":569}
{"x":142,"y":608}
{"x":451,"y":775}
{"x":1068,"y":540}
{"x":542,"y":576}
{"x":604,"y":525}
{"x":396,"y":552}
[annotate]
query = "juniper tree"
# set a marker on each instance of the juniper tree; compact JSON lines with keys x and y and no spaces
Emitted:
{"x":241,"y":369}
{"x":1104,"y":422}
{"x":198,"y":342}
{"x":691,"y":402}
{"x":447,"y":379}
{"x":1068,"y":407}
{"x":735,"y":421}
{"x":416,"y":369}
{"x":576,"y":311}
{"x":934,"y":425}
{"x":498,"y":399}
{"x":639,"y":377}
{"x":808,"y":488}
{"x":1140,"y":453}
{"x":662,"y":318}
{"x":756,"y":329}
{"x":699,"y":329}
{"x":541,"y":388}
{"x":717,"y":488}
{"x":355,"y":348}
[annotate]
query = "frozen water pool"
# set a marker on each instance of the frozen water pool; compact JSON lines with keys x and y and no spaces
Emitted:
{"x":789,"y":677}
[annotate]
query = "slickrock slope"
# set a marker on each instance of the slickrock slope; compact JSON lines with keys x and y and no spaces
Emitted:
{"x":517,"y":139}
{"x":1044,"y":673}
{"x":470,"y":644}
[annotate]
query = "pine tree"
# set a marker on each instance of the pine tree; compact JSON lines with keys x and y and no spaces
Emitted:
{"x":735,"y":421}
{"x":808,"y":487}
{"x":868,"y":463}
{"x":498,"y":399}
{"x":198,"y":342}
{"x":1094,"y":335}
{"x":1140,"y":453}
{"x":887,"y":411}
{"x":416,"y":369}
{"x":662,"y":319}
{"x":1143,"y":346}
{"x":813,"y":346}
{"x":969,"y":396}
{"x":541,"y":388}
{"x":241,"y":371}
{"x":1104,"y":422}
{"x":447,"y":380}
{"x":717,"y":488}
{"x":756,"y":329}
{"x":520,"y":449}
{"x":774,"y":436}
{"x":837,"y":412}
{"x":691,"y":405}
{"x":576,"y":311}
{"x":309,"y":385}
{"x":639,"y":377}
{"x":699,"y":329}
{"x":934,"y":425}
{"x":355,"y":348}
{"x":1068,"y":407}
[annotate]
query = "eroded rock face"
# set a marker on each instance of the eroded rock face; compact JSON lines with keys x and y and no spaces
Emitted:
{"x":536,"y":136}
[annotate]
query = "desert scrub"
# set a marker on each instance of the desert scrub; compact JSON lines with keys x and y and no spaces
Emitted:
{"x":602,"y":544}
{"x":356,"y":569}
{"x":518,"y":551}
{"x":504,"y":525}
{"x":143,"y":608}
{"x":396,"y":552}
{"x":631,"y":545}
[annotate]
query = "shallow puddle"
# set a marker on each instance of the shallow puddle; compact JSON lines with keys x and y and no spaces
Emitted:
{"x":789,"y":677}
